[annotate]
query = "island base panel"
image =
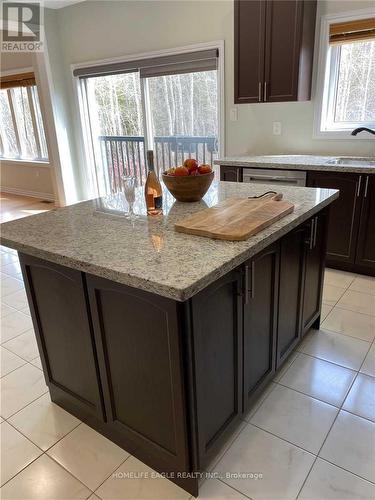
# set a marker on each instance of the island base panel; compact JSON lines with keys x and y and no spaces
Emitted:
{"x":139,"y":348}
{"x":58,"y":304}
{"x":112,"y":356}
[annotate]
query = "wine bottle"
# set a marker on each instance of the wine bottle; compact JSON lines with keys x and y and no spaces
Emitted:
{"x":153,"y":190}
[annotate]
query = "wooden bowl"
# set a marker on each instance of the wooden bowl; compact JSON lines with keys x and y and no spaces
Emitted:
{"x":188,"y":187}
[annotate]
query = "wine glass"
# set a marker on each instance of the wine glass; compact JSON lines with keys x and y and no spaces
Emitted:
{"x":129,"y":182}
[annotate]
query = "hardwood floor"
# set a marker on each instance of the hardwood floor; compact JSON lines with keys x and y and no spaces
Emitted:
{"x":15,"y":207}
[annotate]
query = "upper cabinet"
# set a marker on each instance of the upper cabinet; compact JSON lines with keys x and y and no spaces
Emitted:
{"x":273,"y":51}
{"x":249,"y":48}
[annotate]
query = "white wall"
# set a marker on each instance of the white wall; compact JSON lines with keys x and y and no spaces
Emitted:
{"x":101,"y":29}
{"x":24,"y":177}
{"x":10,"y":61}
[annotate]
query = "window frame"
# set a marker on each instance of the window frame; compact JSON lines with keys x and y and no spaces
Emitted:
{"x":85,"y":141}
{"x":19,"y":158}
{"x":328,"y":66}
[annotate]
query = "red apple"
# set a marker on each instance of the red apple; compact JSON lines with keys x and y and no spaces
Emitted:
{"x":204,"y":169}
{"x":191,"y":164}
{"x":180,"y":171}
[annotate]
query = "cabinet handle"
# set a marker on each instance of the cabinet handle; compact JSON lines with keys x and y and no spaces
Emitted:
{"x":252,"y":292}
{"x":359,"y":185}
{"x":311,"y":240}
{"x":366,"y":186}
{"x":265,"y":91}
{"x":246,"y":286}
{"x":315,"y":230}
{"x":260,"y":92}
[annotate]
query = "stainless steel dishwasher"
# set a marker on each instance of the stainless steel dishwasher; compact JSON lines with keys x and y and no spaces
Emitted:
{"x":274,"y":176}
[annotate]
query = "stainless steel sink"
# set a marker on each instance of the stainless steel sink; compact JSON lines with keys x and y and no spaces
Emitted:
{"x":352,"y":160}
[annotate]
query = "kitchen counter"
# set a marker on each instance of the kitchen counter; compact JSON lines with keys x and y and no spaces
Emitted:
{"x":95,"y":237}
{"x":351,"y":240}
{"x":298,"y":162}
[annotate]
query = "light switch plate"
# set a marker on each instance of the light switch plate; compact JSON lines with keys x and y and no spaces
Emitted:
{"x":233,"y":115}
{"x":276,"y":128}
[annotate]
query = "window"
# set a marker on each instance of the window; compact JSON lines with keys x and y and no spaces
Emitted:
{"x":348,"y":90}
{"x":167,"y":103}
{"x":22,"y":134}
{"x":184,"y":104}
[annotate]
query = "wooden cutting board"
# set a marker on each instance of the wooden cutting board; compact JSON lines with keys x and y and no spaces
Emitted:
{"x":236,"y":219}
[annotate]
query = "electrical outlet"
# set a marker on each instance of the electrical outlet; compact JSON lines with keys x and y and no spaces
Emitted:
{"x":233,"y":115}
{"x":276,"y":128}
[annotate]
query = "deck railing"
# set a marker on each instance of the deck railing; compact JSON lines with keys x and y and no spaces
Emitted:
{"x":125,"y":155}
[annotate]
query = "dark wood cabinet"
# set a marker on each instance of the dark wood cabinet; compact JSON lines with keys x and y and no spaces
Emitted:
{"x":284,"y":26}
{"x":261,"y":275}
{"x":232,"y":174}
{"x":216,"y":326}
{"x":351,"y":226}
{"x":314,"y":272}
{"x":292,"y":254}
{"x":365,"y":257}
{"x":58,"y":304}
{"x":139,"y":351}
{"x":273,"y":50}
{"x":249,"y":50}
{"x":344,"y":214}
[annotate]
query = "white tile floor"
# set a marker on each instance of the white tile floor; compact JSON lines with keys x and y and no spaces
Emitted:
{"x":311,"y":435}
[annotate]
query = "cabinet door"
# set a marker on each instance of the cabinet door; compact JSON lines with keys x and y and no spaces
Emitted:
{"x":139,"y":354}
{"x":283,"y":28}
{"x":217,"y":336}
{"x":314,"y":270}
{"x":344,"y":214}
{"x":292,"y":250}
{"x":249,"y":35}
{"x":366,"y":237}
{"x":233,"y":174}
{"x":58,"y":304}
{"x":260,"y":320}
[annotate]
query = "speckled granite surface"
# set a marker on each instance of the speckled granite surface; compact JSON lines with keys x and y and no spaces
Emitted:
{"x":95,"y":237}
{"x":303,"y":162}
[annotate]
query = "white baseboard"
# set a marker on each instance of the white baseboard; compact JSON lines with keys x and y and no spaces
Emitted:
{"x":25,"y":192}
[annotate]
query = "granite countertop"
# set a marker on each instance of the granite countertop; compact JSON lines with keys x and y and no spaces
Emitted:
{"x":303,"y":162}
{"x":147,"y":253}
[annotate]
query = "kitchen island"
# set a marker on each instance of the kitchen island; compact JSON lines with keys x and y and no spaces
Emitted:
{"x":160,"y":340}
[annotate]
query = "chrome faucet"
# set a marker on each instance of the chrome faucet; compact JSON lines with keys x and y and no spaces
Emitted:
{"x":361,"y":129}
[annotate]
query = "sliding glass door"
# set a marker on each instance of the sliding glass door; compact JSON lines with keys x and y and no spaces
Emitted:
{"x":168,"y":104}
{"x":184,"y":117}
{"x":115,"y":127}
